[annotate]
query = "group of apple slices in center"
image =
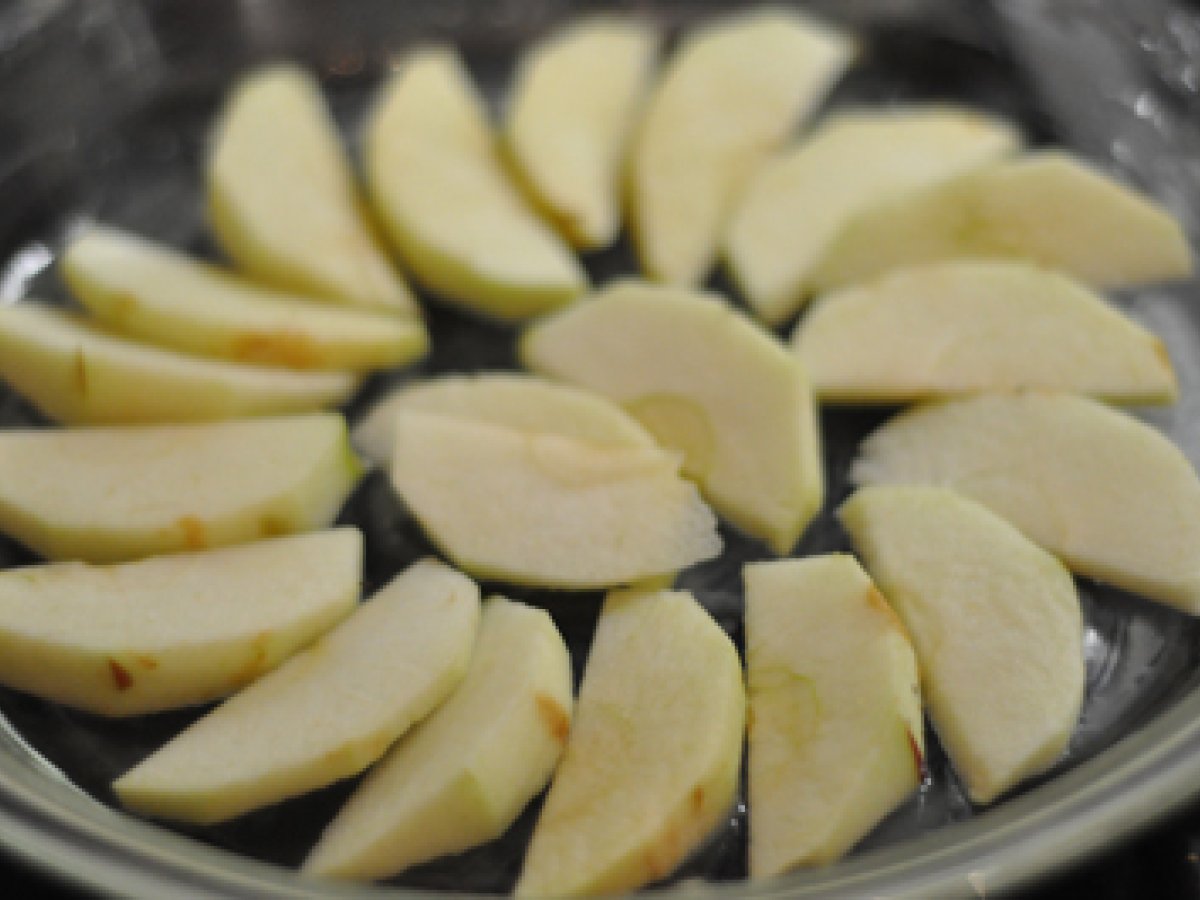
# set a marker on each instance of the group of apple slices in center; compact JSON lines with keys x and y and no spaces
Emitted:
{"x":187,"y":529}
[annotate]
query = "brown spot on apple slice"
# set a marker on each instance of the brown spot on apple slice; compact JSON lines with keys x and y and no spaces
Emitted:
{"x":149,"y":663}
{"x":698,"y":799}
{"x":79,"y":373}
{"x":194,"y":537}
{"x":680,"y":424}
{"x":918,"y":756}
{"x":555,"y":718}
{"x":120,"y":675}
{"x":292,"y":349}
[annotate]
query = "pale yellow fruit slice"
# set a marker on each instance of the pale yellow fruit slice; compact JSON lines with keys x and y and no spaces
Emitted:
{"x":996,"y":624}
{"x":449,"y":206}
{"x":730,"y":95}
{"x":966,"y":326}
{"x":463,"y":776}
{"x":836,"y":739}
{"x":547,"y":510}
{"x":80,"y":375}
{"x":175,"y":630}
{"x":1047,"y":208}
{"x":652,"y":761}
{"x":570,"y":118}
{"x":282,"y":199}
{"x":151,"y":293}
{"x":1103,"y":491}
{"x":707,"y":382}
{"x":111,"y":494}
{"x":327,"y":713}
{"x":797,"y":203}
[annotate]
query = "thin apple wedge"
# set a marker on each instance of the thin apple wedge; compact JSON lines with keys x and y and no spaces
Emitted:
{"x":547,"y":510}
{"x":112,"y":494}
{"x":996,"y":624}
{"x":463,"y":776}
{"x":965,"y":326}
{"x":326,"y":714}
{"x":447,"y":203}
{"x":176,"y":630}
{"x":652,"y":762}
{"x":836,"y":739}
{"x":1047,"y":208}
{"x":731,"y":94}
{"x":283,"y":201}
{"x":707,"y":382}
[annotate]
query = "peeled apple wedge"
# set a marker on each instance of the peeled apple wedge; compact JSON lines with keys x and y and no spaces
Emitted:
{"x":78,"y":374}
{"x":1047,"y":208}
{"x":798,"y":202}
{"x":836,"y":739}
{"x":547,"y":510}
{"x":1103,"y":491}
{"x":521,"y":402}
{"x":283,"y":201}
{"x":463,"y":776}
{"x":172,"y":631}
{"x":707,"y":382}
{"x":447,"y":203}
{"x":731,"y":94}
{"x":652,"y":761}
{"x":327,"y":713}
{"x":995,"y":621}
{"x":112,"y":494}
{"x":151,"y":293}
{"x":572,"y":112}
{"x":966,"y":326}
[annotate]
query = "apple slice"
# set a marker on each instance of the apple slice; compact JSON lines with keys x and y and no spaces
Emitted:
{"x":463,"y":776}
{"x":652,"y":761}
{"x":79,"y":375}
{"x":707,"y":382}
{"x":965,"y":326}
{"x":996,"y":624}
{"x":1047,"y":208}
{"x":452,"y":212}
{"x":836,"y":740}
{"x":172,"y":631}
{"x":154,"y":294}
{"x":1108,"y":494}
{"x":282,"y":199}
{"x":547,"y":510}
{"x":327,"y":713}
{"x":111,"y":494}
{"x":796,"y":205}
{"x":520,"y":402}
{"x":571,"y":116}
{"x":731,"y":94}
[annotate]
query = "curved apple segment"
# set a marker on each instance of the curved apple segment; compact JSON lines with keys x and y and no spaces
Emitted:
{"x":282,"y":199}
{"x":995,"y":621}
{"x":327,"y":713}
{"x":463,"y":776}
{"x":836,"y":741}
{"x":172,"y":631}
{"x":651,"y":765}
{"x":447,"y":203}
{"x":966,"y":326}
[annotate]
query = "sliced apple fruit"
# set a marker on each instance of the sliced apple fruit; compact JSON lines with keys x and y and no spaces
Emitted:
{"x":995,"y":621}
{"x":836,"y":739}
{"x":1047,"y":208}
{"x":463,"y":775}
{"x":707,"y":382}
{"x":547,"y":510}
{"x":570,"y":118}
{"x":797,"y":203}
{"x":447,"y":203}
{"x":112,"y":494}
{"x":151,"y":293}
{"x":731,"y":94}
{"x":966,"y":326}
{"x":652,"y":762}
{"x":326,"y":714}
{"x":176,"y":630}
{"x":283,"y":201}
